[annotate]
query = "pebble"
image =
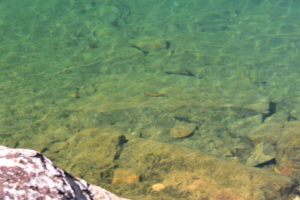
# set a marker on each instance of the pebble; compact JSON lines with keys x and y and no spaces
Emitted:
{"x":158,"y":187}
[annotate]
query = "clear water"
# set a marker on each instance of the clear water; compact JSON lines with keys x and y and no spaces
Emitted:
{"x":143,"y":67}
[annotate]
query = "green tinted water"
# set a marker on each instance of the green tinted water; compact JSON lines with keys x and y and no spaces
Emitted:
{"x":143,"y":67}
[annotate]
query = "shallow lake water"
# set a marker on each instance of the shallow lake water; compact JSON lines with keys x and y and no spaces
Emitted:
{"x":220,"y":77}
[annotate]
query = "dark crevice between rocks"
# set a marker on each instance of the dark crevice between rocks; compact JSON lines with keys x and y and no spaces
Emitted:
{"x":293,"y":189}
{"x":76,"y":188}
{"x":42,"y":158}
{"x":122,"y":140}
{"x":43,"y":150}
{"x":184,"y":72}
{"x":16,"y":144}
{"x":291,"y":118}
{"x":168,"y":45}
{"x":140,"y":49}
{"x":266,"y":163}
{"x":271,"y":111}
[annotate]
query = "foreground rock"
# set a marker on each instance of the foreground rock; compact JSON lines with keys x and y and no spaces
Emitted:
{"x":27,"y":174}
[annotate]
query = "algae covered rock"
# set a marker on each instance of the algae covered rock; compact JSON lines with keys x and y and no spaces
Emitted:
{"x":187,"y":174}
{"x":131,"y":167}
{"x":91,"y":154}
{"x":288,"y":150}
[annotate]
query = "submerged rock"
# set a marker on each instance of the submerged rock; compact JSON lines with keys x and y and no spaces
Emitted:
{"x":124,"y":176}
{"x":183,"y":130}
{"x":27,"y":174}
{"x":259,"y":156}
{"x":288,"y":151}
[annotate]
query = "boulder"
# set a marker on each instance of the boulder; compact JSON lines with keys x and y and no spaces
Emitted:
{"x":27,"y":174}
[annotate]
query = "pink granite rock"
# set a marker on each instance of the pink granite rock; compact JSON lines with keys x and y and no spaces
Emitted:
{"x":27,"y":174}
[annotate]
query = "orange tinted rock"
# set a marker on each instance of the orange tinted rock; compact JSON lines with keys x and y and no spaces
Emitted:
{"x":288,"y":151}
{"x":158,"y":187}
{"x":182,"y":130}
{"x":124,"y":176}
